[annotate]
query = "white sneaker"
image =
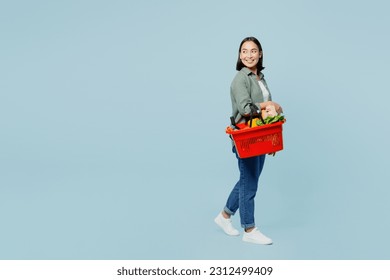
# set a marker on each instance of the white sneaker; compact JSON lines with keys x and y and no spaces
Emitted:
{"x":226,"y":225}
{"x":255,"y":236}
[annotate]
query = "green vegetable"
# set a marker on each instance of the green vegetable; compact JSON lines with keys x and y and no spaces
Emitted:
{"x":269,"y":120}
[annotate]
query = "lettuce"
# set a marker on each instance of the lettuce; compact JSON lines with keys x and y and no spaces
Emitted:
{"x":270,"y":119}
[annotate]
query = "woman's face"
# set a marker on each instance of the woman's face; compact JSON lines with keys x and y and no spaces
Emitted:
{"x":250,"y":55}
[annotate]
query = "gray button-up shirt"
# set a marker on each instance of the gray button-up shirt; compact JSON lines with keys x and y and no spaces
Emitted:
{"x":244,"y":90}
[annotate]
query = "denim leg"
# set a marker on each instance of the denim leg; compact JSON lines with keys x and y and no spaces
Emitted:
{"x":232,"y":203}
{"x":243,"y":194}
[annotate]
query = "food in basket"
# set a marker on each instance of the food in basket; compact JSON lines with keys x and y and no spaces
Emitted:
{"x":269,"y":116}
{"x":254,"y":122}
{"x":270,"y":110}
{"x":270,"y":119}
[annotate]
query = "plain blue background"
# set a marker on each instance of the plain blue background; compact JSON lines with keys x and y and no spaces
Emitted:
{"x":112,"y":117}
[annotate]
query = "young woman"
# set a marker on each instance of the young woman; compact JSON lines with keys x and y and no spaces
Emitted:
{"x":248,"y":87}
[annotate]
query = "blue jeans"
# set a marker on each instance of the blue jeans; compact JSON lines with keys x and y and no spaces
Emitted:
{"x":244,"y":192}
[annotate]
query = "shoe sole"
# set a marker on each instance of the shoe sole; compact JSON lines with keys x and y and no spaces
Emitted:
{"x":254,"y":242}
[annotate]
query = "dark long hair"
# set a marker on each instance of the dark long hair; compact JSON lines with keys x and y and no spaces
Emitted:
{"x":259,"y":65}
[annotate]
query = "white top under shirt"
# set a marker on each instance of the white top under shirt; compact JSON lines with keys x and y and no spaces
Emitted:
{"x":265,"y":91}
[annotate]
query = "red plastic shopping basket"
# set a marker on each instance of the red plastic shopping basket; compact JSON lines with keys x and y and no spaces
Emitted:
{"x":258,"y":140}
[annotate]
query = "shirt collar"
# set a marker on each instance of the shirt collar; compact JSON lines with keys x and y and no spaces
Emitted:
{"x":249,"y":72}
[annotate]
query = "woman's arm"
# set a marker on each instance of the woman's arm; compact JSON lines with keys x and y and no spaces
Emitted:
{"x":240,"y":94}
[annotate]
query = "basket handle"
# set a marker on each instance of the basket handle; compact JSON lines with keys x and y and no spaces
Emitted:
{"x":233,"y":122}
{"x":255,"y":110}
